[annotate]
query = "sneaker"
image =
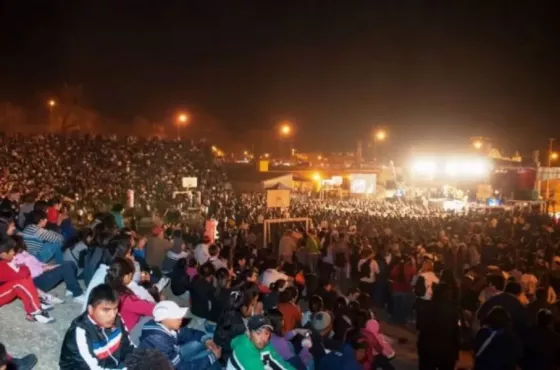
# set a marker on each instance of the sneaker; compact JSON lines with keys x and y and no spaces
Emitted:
{"x":51,"y":299}
{"x":45,"y":305}
{"x":25,"y":363}
{"x":40,"y":317}
{"x":81,"y":299}
{"x":162,"y":283}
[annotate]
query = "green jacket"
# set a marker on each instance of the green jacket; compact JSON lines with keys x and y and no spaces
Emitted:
{"x":312,"y":245}
{"x":247,"y":357}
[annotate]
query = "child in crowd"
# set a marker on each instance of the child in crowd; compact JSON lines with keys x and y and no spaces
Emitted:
{"x":185,"y":348}
{"x":132,"y":308}
{"x":16,"y":282}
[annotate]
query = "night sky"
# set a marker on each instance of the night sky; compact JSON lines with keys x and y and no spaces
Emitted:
{"x":426,"y":73}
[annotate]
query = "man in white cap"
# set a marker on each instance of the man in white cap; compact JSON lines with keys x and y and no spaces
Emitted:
{"x":186,"y":348}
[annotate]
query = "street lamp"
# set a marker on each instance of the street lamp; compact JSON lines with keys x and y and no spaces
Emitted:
{"x":182,"y":119}
{"x":285,"y":129}
{"x":380,"y":135}
{"x":554,"y":156}
{"x":51,"y":103}
{"x":477,"y":144}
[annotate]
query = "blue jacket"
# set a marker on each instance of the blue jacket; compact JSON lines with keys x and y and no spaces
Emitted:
{"x":156,"y":336}
{"x":343,"y":360}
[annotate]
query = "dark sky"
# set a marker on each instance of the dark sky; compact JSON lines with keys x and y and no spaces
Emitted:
{"x":428,"y":73}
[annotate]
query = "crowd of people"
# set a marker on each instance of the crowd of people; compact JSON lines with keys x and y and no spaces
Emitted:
{"x":484,"y":283}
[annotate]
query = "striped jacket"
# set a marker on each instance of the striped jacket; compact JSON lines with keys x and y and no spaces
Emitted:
{"x":35,"y":236}
{"x":88,"y":346}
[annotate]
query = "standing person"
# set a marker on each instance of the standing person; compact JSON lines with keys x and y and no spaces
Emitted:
{"x":509,"y":301}
{"x":287,"y":247}
{"x":401,"y":278}
{"x":313,"y":251}
{"x":496,"y":346}
{"x":97,"y":339}
{"x":253,"y":351}
{"x":368,"y":271}
{"x":438,"y":339}
{"x":423,"y":284}
{"x":542,"y":345}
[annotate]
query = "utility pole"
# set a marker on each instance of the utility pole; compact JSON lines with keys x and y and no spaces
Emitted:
{"x":547,"y":194}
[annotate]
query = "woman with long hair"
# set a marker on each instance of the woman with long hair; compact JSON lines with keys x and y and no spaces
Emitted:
{"x":132,"y":308}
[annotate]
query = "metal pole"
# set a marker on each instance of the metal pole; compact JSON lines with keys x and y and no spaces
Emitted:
{"x":550,"y":141}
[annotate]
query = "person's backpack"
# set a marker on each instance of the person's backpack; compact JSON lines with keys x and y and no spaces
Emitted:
{"x":365,"y":269}
{"x":420,"y":286}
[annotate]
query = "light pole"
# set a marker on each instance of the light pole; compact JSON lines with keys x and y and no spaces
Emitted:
{"x":286,"y":131}
{"x":551,"y":156}
{"x":380,"y":135}
{"x":182,"y":119}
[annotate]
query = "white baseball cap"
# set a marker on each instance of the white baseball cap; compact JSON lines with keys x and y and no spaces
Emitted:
{"x":168,"y":310}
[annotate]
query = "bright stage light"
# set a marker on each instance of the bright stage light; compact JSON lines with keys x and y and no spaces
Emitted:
{"x":424,"y":167}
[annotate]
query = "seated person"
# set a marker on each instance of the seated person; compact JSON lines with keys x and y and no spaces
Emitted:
{"x":290,"y":311}
{"x":186,"y":348}
{"x":42,"y":243}
{"x":252,"y":350}
{"x":16,"y":282}
{"x":97,"y":339}
{"x":132,"y":308}
{"x":47,"y":277}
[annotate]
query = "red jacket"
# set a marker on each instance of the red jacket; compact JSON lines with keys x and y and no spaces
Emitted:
{"x":7,"y":273}
{"x":132,"y":309}
{"x":399,"y":285}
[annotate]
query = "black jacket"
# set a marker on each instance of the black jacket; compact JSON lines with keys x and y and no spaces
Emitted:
{"x":203,"y":298}
{"x":439,"y":333}
{"x":88,"y":346}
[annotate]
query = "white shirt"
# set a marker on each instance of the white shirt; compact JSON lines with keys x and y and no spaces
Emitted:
{"x":429,"y":280}
{"x":271,"y":276}
{"x":140,"y":292}
{"x":201,"y":254}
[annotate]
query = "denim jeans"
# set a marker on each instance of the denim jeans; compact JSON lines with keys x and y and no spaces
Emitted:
{"x":195,"y":351}
{"x":65,"y":272}
{"x":49,"y":251}
{"x":402,"y":307}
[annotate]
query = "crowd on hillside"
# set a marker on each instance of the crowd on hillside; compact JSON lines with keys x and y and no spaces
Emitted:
{"x":94,"y":171}
{"x":485,"y":283}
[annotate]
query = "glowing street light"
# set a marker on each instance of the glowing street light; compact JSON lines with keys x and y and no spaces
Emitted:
{"x":554,"y":156}
{"x":266,"y":155}
{"x":51,"y":103}
{"x":317,"y":176}
{"x":380,"y":135}
{"x":245,"y":153}
{"x":477,"y":144}
{"x":181,"y":120}
{"x":285,"y":129}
